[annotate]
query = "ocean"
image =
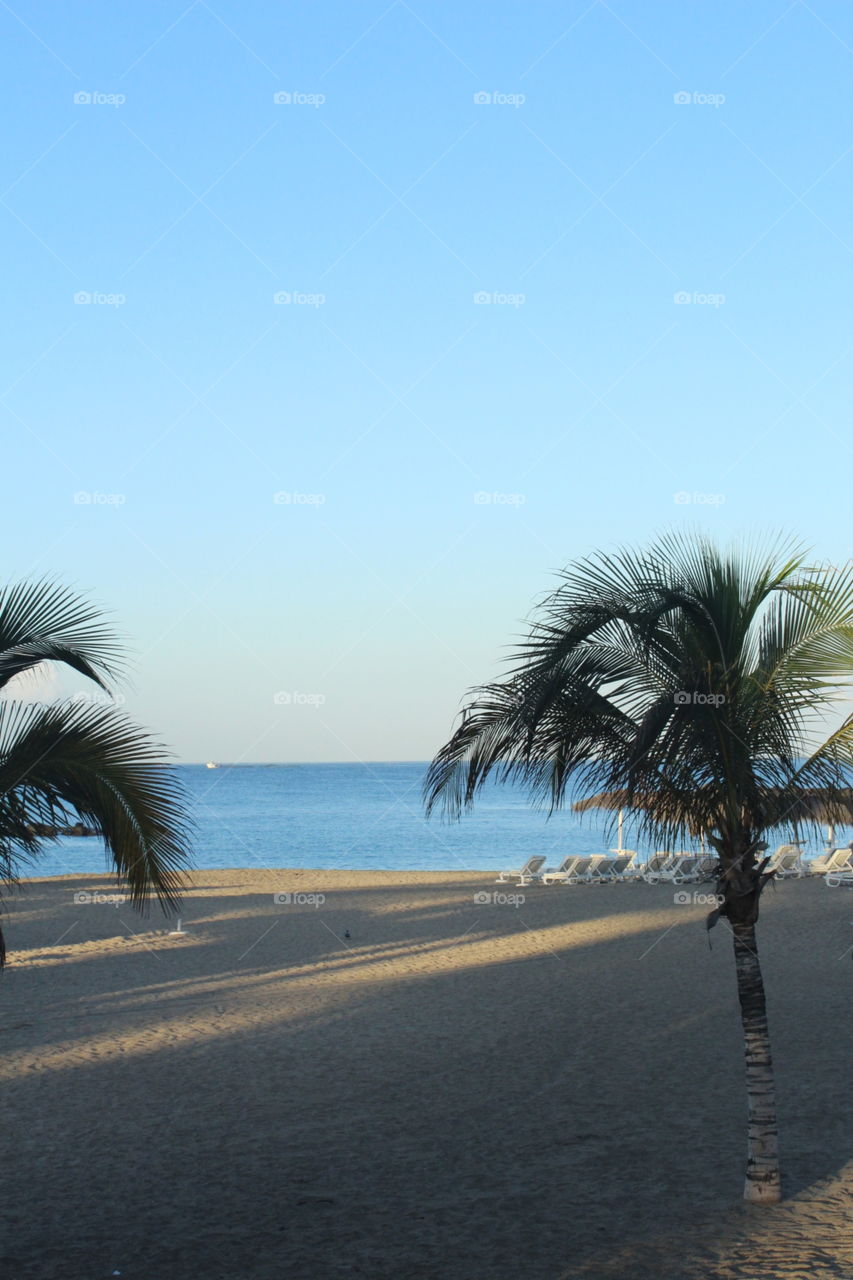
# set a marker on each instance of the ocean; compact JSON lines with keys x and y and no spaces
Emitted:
{"x":357,"y":817}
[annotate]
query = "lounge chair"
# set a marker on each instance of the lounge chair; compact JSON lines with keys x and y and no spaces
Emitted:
{"x":835,"y":879}
{"x":580,"y":871}
{"x":682,"y":870}
{"x":563,"y":873}
{"x":624,"y":866}
{"x":829,"y":863}
{"x":527,"y":873}
{"x":787,"y":861}
{"x":599,"y":869}
{"x":651,"y":872}
{"x":707,"y":868}
{"x":666,"y":866}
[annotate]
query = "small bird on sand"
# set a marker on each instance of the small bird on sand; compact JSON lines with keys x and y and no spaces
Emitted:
{"x":346,"y":933}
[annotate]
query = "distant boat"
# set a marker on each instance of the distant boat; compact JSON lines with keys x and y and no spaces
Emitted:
{"x":211,"y":764}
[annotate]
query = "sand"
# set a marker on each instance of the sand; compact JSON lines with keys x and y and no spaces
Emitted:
{"x":458,"y":1090}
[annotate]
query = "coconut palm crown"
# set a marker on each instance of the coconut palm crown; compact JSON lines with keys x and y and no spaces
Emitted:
{"x":64,"y":761}
{"x":693,"y":681}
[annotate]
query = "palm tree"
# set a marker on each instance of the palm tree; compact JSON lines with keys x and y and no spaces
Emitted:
{"x":693,"y":681}
{"x":81,"y":758}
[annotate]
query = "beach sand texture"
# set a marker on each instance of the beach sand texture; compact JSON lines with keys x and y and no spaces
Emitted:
{"x":457,"y":1091}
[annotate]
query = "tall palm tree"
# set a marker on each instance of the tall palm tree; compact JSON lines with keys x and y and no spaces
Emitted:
{"x":81,"y":759}
{"x":693,"y":681}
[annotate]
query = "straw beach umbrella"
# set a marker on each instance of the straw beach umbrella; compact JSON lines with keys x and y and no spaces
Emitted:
{"x":813,"y":804}
{"x":617,"y":802}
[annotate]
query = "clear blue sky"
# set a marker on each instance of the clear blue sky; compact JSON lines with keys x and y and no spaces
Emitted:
{"x":585,"y":408}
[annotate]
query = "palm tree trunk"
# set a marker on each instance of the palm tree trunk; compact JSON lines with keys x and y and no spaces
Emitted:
{"x":763,"y":1184}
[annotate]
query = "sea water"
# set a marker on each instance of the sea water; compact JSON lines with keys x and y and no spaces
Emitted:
{"x":359,"y":817}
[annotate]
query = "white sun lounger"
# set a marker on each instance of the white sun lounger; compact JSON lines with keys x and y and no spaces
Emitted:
{"x":671,"y":867}
{"x":563,"y":873}
{"x":706,"y":869}
{"x":829,"y":863}
{"x":624,"y":866}
{"x":651,"y":872}
{"x":683,"y":870}
{"x":787,"y":861}
{"x":532,"y":870}
{"x":580,"y":871}
{"x":599,"y":868}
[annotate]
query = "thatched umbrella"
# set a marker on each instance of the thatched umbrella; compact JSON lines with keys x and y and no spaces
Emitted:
{"x":832,"y":814}
{"x":824,"y":807}
{"x":617,"y":802}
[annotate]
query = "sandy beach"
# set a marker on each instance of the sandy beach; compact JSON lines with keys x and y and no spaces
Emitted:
{"x":457,"y":1090}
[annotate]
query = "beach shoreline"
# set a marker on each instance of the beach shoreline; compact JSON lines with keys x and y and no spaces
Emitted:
{"x":373,"y":1073}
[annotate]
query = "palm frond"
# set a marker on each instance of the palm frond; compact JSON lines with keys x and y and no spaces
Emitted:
{"x":684,"y":677}
{"x":45,"y":621}
{"x":91,"y":761}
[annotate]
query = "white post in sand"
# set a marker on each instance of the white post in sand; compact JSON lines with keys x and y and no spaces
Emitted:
{"x":179,"y":932}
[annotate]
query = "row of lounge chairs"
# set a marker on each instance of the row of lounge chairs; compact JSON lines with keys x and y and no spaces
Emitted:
{"x":788,"y":862}
{"x":613,"y":868}
{"x":622,"y":865}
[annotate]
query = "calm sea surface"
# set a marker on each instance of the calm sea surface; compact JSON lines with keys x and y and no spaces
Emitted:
{"x":356,"y":816}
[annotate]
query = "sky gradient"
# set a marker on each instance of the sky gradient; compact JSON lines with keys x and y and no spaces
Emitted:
{"x":335,"y":329}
